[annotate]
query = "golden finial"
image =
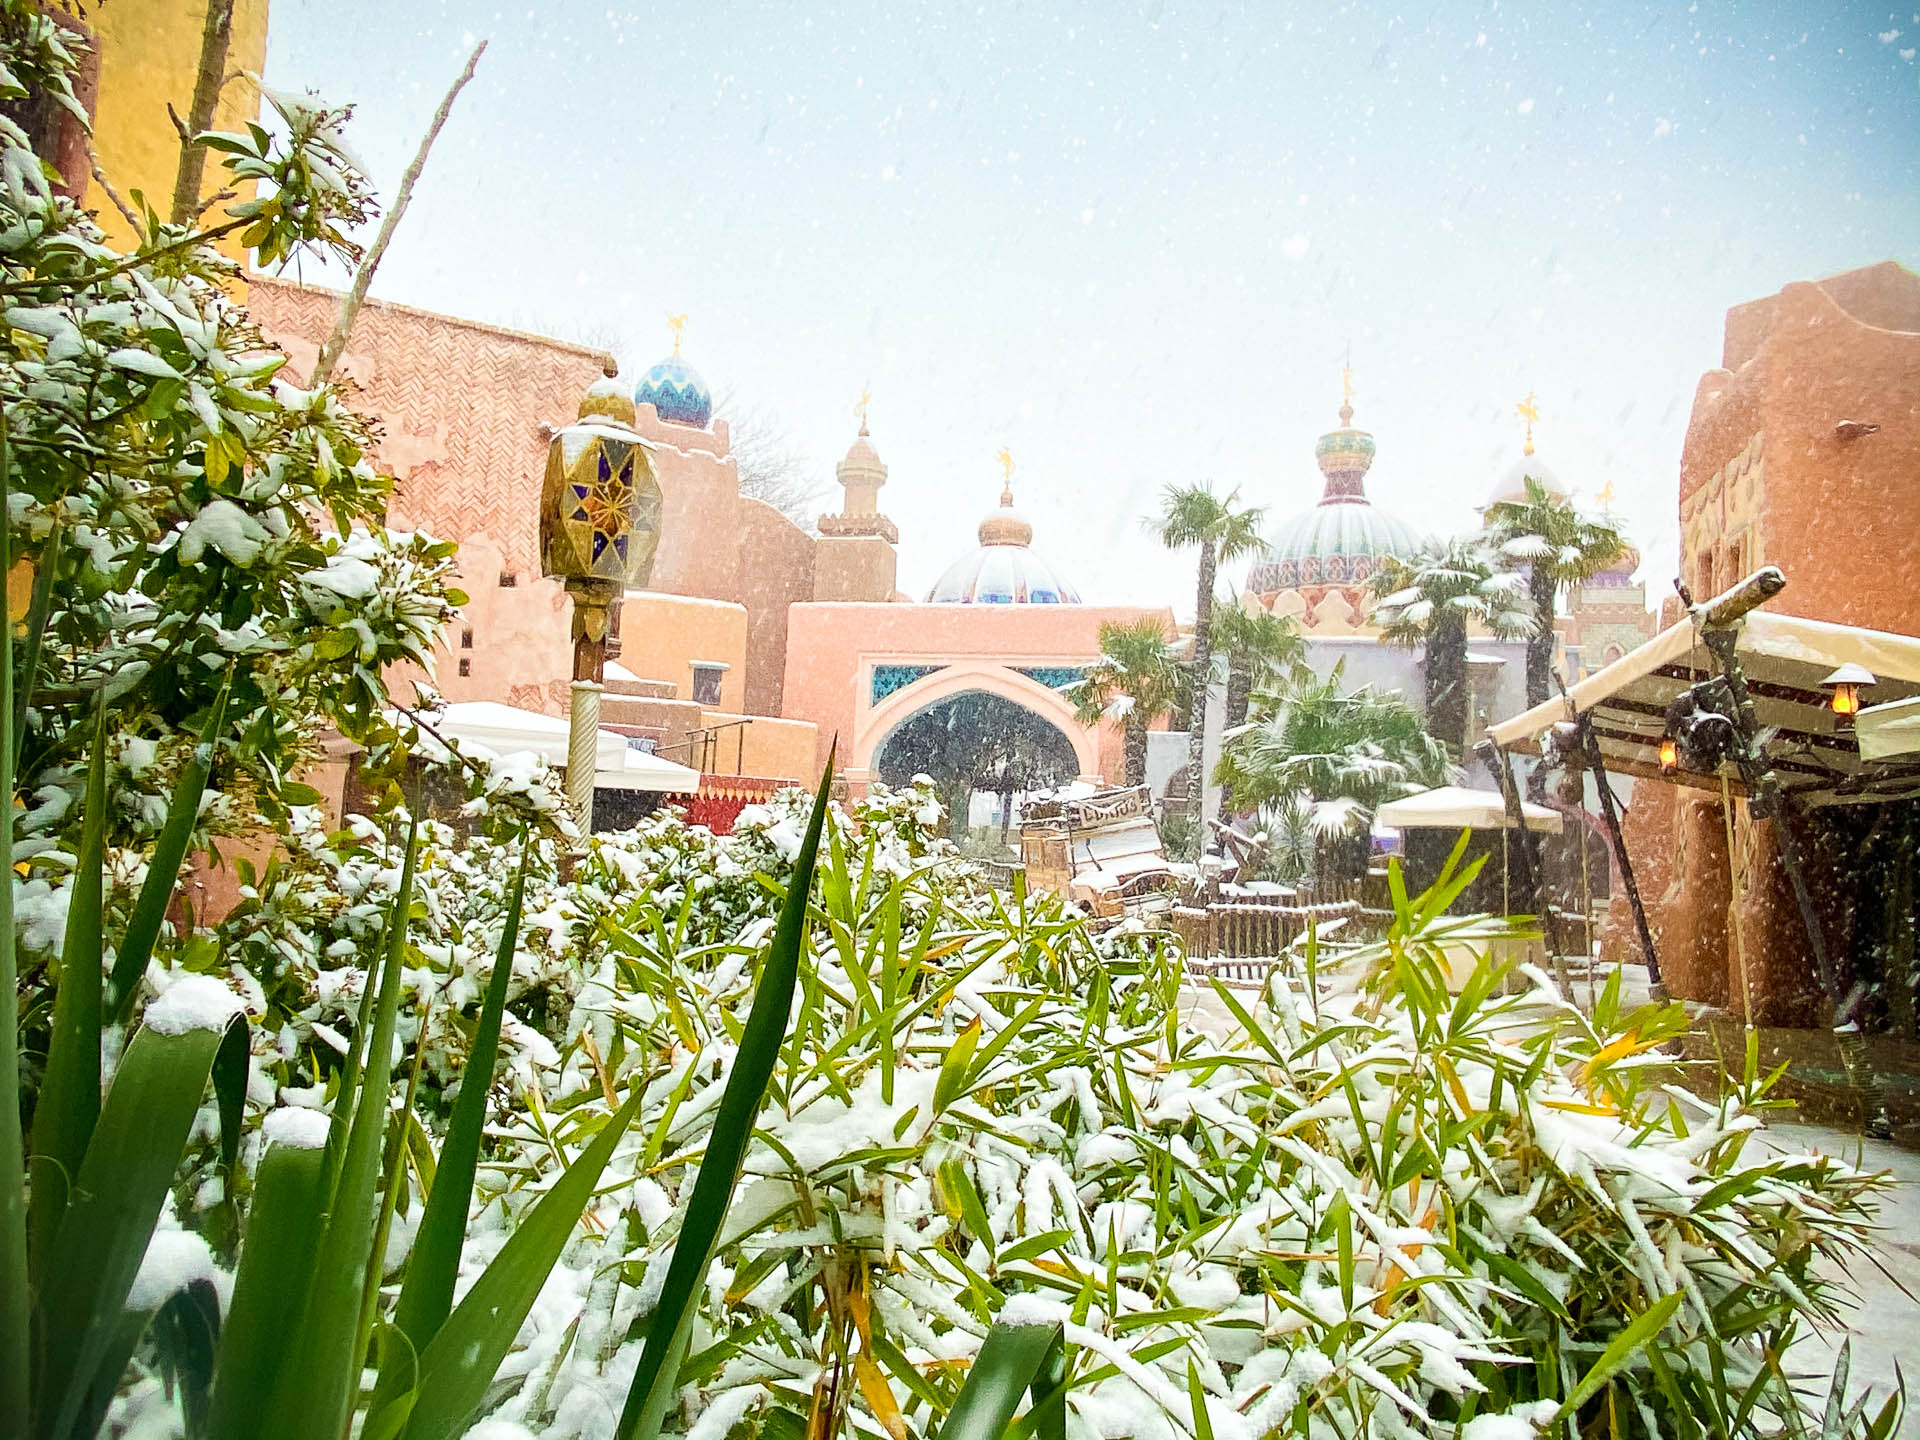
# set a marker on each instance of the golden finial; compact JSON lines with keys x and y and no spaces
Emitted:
{"x":1529,"y":412}
{"x":1346,"y":389}
{"x":866,"y":398}
{"x":676,"y":323}
{"x":1005,"y":457}
{"x":1605,"y":496}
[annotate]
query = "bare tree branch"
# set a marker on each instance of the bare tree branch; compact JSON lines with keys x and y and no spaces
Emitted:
{"x":100,"y":179}
{"x":214,"y":42}
{"x":356,"y":295}
{"x":771,"y":468}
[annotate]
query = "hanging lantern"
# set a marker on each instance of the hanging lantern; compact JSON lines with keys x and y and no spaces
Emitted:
{"x":1669,"y":755}
{"x":599,"y":517}
{"x":1699,"y":729}
{"x":1843,"y":690}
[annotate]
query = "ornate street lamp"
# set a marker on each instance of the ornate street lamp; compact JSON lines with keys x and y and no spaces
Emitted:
{"x":599,"y":531}
{"x":1843,"y":688}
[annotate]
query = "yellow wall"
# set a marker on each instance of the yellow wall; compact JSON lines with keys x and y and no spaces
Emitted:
{"x":149,"y":57}
{"x":661,"y":635}
{"x":769,"y":748}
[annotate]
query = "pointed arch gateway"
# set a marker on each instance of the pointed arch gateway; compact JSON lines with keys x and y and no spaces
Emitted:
{"x":956,"y":677}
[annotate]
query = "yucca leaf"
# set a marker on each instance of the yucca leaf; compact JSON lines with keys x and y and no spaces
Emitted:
{"x":109,"y":1219}
{"x":426,"y":1295}
{"x":1014,"y":1360}
{"x":746,"y":1087}
{"x":270,"y":1288}
{"x":311,"y":1399}
{"x":163,"y":868}
{"x":15,"y":1286}
{"x":458,"y":1364}
{"x":69,"y":1103}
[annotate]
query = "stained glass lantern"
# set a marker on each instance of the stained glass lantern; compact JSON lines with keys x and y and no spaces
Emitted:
{"x":599,"y":513}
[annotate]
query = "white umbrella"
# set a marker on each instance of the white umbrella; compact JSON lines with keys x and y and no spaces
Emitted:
{"x":1454,"y":807}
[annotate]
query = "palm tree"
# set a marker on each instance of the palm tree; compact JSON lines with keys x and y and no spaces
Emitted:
{"x":1136,"y":680}
{"x":1194,"y":515}
{"x":1340,"y":755}
{"x":1261,"y":649}
{"x":1428,"y":601}
{"x":1560,"y":546}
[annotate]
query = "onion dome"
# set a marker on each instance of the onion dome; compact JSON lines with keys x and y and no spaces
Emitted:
{"x":1512,"y":486}
{"x":1003,"y":571}
{"x":1342,"y":540}
{"x":676,"y":392}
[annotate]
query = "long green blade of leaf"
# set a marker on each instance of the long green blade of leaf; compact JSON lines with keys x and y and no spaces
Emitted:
{"x":459,"y":1362}
{"x":69,"y":1102}
{"x":1644,"y":1327}
{"x":426,"y":1296}
{"x":653,"y":1380}
{"x":1013,"y":1359}
{"x":15,"y":1314}
{"x":119,"y":1189}
{"x":311,"y":1399}
{"x":270,"y":1288}
{"x":163,"y":869}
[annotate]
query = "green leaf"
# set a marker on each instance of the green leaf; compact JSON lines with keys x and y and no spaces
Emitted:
{"x":426,"y":1296}
{"x":116,"y":1198}
{"x":270,"y":1288}
{"x":458,"y":1364}
{"x":1015,"y":1359}
{"x":1644,"y":1327}
{"x":953,"y":1068}
{"x":69,"y":1102}
{"x":311,"y":1399}
{"x":15,"y":1285}
{"x":753,"y":1064}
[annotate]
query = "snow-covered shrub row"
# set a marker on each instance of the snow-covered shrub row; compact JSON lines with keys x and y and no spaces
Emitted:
{"x":1364,"y":1207}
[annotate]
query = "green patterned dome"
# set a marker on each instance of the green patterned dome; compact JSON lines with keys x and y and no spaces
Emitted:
{"x":1342,"y":540}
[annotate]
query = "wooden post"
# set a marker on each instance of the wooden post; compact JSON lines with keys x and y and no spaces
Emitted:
{"x":1590,"y":743}
{"x":1496,"y":761}
{"x":1765,"y":800}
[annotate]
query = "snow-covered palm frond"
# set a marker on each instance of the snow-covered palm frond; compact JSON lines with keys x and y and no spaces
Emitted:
{"x":1570,"y":556}
{"x":1341,"y":816}
{"x":1527,"y":547}
{"x":1418,"y":612}
{"x":1513,"y":581}
{"x":1401,"y":598}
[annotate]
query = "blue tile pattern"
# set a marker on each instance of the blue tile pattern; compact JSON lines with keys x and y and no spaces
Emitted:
{"x":1054,"y":677}
{"x":676,"y":391}
{"x":1001,"y":575}
{"x":889,"y":678}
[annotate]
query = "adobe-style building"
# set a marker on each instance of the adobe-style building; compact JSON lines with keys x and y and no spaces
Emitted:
{"x":1803,"y":451}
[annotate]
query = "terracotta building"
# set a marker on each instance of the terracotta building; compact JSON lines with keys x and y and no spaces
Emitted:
{"x":1803,"y":451}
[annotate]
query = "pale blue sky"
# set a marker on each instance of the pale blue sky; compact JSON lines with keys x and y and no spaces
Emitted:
{"x":1134,"y":242}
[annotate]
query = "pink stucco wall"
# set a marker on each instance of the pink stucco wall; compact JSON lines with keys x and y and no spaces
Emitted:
{"x":831,"y":647}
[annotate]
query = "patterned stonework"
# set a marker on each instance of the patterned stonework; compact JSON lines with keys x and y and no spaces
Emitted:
{"x":461,"y":408}
{"x":1719,"y":523}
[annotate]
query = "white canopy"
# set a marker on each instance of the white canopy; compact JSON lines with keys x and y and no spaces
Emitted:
{"x":1786,"y":659}
{"x":1454,"y":807}
{"x":508,"y":730}
{"x":1888,"y":730}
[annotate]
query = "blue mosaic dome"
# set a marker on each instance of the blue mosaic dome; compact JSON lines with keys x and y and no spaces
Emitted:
{"x":1003,"y":571}
{"x":676,"y":392}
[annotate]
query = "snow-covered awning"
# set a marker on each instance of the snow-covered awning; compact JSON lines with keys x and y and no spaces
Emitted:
{"x":508,"y":730}
{"x":1453,"y":807}
{"x":1785,"y":659}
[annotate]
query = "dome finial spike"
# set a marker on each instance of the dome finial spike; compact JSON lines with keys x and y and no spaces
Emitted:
{"x":1346,"y":389}
{"x":1528,"y":411}
{"x":866,"y":398}
{"x":676,"y":323}
{"x":1005,"y":457}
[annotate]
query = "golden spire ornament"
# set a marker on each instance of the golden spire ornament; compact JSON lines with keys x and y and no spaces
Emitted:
{"x":1605,"y":496}
{"x":676,"y":323}
{"x":1005,"y":457}
{"x":1528,"y":411}
{"x":860,"y":409}
{"x":1346,"y":394}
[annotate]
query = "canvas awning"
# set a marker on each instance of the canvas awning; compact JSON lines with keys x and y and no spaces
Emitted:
{"x":1885,"y":731}
{"x":1454,"y":807}
{"x":1785,"y":659}
{"x":508,"y":730}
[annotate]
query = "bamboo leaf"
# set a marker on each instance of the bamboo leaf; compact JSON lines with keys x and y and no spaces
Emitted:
{"x":69,"y":1102}
{"x":116,"y":1199}
{"x":458,"y":1364}
{"x":270,"y":1288}
{"x":1645,"y":1326}
{"x":953,"y":1069}
{"x":746,"y":1087}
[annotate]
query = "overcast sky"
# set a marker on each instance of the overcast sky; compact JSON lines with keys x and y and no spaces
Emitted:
{"x":1135,"y":242}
